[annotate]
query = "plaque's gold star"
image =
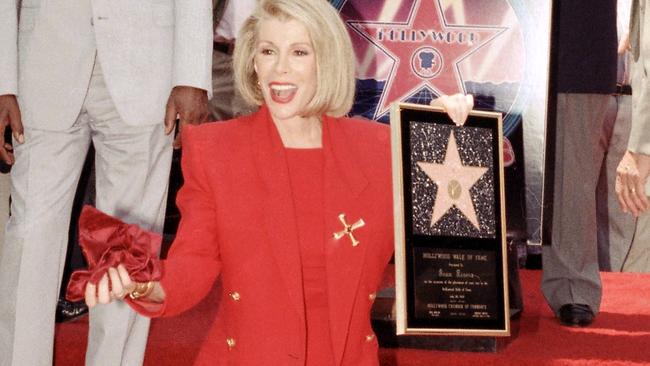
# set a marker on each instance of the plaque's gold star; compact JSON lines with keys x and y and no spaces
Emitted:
{"x":454,"y":181}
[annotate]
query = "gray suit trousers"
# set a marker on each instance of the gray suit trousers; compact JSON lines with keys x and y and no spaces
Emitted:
{"x":132,"y":171}
{"x":570,"y":263}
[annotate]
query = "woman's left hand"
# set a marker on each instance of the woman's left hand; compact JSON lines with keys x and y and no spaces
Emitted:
{"x":457,"y":106}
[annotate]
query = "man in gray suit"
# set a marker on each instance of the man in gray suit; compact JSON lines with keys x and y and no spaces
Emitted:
{"x":118,"y":73}
{"x":634,"y":168}
{"x":585,"y":79}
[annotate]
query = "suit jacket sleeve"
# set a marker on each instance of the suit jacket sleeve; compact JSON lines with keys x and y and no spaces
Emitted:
{"x":639,"y":141}
{"x":193,"y":262}
{"x":193,"y":44}
{"x":8,"y":47}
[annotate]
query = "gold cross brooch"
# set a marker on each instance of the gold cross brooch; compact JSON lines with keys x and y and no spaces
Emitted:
{"x":348,"y":229}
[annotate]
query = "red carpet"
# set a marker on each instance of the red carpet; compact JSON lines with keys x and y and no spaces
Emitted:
{"x":619,"y":336}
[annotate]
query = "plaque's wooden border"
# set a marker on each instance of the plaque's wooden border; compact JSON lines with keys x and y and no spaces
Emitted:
{"x":401,"y":298}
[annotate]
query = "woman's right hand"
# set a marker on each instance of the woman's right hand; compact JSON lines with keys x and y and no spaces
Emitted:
{"x":116,"y":284}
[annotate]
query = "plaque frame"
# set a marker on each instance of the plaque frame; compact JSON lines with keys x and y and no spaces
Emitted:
{"x":406,"y":241}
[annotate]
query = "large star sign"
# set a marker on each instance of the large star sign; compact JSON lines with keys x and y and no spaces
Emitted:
{"x":425,"y":51}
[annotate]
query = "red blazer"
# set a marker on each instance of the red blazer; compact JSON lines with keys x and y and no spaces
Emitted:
{"x":238,"y":221}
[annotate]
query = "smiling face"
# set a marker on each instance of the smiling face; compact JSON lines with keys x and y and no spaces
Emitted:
{"x":285,"y":64}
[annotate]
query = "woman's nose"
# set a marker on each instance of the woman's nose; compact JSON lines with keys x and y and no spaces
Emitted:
{"x":282,"y":64}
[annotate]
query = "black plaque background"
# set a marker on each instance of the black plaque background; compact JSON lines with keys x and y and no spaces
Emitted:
{"x":470,"y":245}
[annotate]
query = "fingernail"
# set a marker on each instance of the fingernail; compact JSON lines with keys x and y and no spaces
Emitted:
{"x":20,"y":138}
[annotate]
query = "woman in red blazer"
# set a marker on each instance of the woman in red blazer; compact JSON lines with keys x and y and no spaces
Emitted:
{"x":291,"y":206}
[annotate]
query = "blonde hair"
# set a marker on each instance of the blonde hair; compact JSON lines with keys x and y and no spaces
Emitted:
{"x":335,"y":81}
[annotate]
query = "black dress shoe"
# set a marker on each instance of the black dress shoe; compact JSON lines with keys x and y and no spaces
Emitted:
{"x":576,"y":315}
{"x":67,"y":311}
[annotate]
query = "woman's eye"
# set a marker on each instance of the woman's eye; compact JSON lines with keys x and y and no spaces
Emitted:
{"x":266,"y":51}
{"x":301,"y":53}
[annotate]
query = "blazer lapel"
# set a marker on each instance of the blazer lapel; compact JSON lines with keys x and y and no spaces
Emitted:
{"x":279,"y":217}
{"x":344,"y":182}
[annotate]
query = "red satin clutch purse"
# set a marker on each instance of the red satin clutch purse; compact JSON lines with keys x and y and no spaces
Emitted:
{"x":106,"y":242}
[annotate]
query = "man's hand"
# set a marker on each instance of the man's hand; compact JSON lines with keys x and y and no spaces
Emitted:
{"x":190,"y":105}
{"x":9,"y":116}
{"x":631,"y":175}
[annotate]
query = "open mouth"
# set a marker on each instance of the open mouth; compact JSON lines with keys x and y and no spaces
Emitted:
{"x":283,"y":93}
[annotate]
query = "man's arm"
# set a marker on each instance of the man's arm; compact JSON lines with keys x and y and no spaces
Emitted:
{"x":9,"y":111}
{"x":633,"y":170}
{"x":8,"y":47}
{"x":639,"y":141}
{"x":192,"y":65}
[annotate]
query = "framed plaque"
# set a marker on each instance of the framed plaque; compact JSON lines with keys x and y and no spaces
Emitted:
{"x":450,"y":249}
